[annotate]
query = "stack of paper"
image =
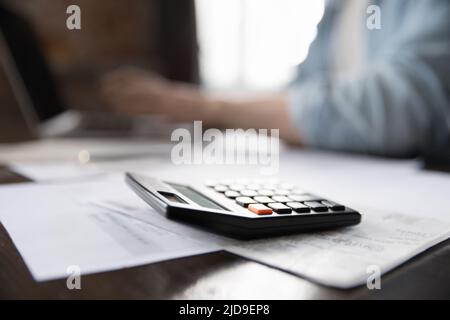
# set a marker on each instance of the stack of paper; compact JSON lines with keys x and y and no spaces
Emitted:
{"x":99,"y":224}
{"x":53,"y":229}
{"x":102,"y":225}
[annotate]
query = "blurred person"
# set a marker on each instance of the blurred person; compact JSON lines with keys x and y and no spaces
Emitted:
{"x":383,"y":92}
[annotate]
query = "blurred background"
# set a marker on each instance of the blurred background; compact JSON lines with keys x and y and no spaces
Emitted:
{"x":225,"y":45}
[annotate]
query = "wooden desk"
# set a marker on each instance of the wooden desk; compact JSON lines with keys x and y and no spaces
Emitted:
{"x":217,"y":276}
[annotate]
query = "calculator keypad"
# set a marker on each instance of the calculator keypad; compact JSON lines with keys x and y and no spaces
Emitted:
{"x":270,"y":197}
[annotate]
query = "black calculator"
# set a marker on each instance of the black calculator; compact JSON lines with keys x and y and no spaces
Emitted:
{"x":243,"y":208}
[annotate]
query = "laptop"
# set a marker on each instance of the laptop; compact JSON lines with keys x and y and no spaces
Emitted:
{"x":42,"y":105}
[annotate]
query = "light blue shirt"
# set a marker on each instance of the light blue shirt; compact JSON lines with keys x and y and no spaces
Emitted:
{"x":400,"y":104}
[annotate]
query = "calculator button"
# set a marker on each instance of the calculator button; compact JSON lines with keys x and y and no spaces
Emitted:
{"x":280,"y":208}
{"x":249,"y":193}
{"x":316,"y":206}
{"x":232,"y":194}
{"x":281,"y":199}
{"x":333,"y":205}
{"x":265,"y":192}
{"x":237,"y":187}
{"x":259,"y":209}
{"x":299,"y":207}
{"x":252,"y":187}
{"x":263,"y":199}
{"x":244,"y":201}
{"x":220,"y":188}
{"x":304,"y":197}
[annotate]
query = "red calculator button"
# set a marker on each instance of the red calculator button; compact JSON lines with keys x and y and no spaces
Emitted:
{"x":259,"y":209}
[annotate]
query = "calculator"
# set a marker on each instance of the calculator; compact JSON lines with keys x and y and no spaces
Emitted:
{"x":243,"y":208}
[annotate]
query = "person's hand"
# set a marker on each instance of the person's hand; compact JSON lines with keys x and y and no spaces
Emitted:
{"x":134,"y":91}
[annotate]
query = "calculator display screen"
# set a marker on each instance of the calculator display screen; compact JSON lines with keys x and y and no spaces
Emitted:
{"x":197,"y":197}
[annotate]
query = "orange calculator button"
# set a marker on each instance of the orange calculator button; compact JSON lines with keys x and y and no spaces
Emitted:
{"x":259,"y":209}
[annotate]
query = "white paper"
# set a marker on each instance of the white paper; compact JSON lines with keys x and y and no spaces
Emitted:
{"x":138,"y":209}
{"x":361,"y":181}
{"x":54,"y":229}
{"x":338,"y":258}
{"x":89,"y":224}
{"x":386,"y":186}
{"x":358,"y":181}
{"x":345,"y":258}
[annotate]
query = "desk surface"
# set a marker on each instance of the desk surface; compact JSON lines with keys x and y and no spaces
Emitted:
{"x":217,"y":276}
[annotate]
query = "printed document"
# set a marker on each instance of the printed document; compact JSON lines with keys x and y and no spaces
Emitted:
{"x":99,"y":224}
{"x":53,"y":229}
